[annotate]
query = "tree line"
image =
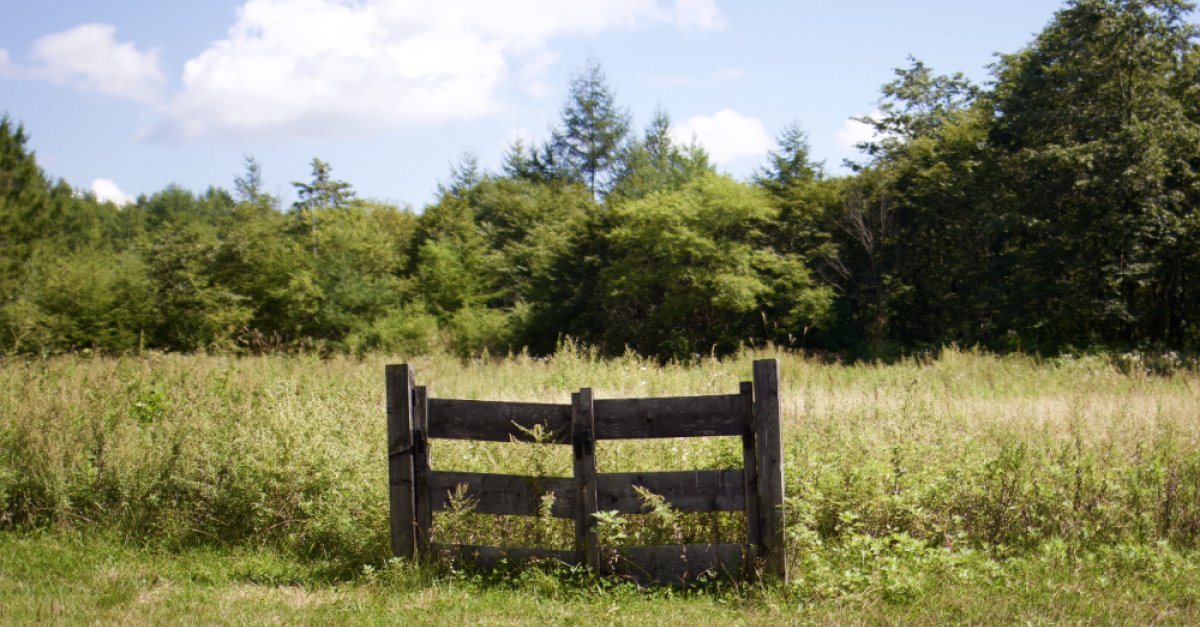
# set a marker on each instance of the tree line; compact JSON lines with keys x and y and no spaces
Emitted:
{"x":1053,"y":208}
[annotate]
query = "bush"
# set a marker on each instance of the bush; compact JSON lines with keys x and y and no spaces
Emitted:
{"x":409,"y":331}
{"x":476,"y":330}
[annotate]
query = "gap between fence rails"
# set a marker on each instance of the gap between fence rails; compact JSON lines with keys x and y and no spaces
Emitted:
{"x":416,"y":491}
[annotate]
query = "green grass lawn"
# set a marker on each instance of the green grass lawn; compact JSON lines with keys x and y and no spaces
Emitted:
{"x":966,"y":488}
{"x":73,"y":578}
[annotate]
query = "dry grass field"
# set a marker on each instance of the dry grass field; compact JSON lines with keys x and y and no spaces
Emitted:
{"x":964,"y":487}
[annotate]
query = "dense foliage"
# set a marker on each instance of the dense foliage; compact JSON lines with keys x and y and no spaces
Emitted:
{"x":1053,"y":209}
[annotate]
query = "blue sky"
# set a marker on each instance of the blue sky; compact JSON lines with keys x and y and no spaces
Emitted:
{"x":127,"y":97}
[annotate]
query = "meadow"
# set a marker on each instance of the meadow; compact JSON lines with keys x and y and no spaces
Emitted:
{"x":962,"y":486}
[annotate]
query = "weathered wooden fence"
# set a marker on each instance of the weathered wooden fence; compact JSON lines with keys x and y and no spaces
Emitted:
{"x":416,"y":491}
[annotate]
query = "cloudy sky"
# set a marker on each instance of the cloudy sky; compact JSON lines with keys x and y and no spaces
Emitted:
{"x":125,"y":97}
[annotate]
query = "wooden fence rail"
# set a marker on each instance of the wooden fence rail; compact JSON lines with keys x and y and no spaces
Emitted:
{"x":416,"y":491}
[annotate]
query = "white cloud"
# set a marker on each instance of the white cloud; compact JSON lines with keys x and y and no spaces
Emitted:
{"x":726,"y":135}
{"x":89,"y":58}
{"x":303,"y":68}
{"x":107,"y":191}
{"x":533,"y":73}
{"x":852,"y":132}
{"x":699,"y":14}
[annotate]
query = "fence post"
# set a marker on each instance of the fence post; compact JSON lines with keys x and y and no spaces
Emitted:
{"x":750,"y":474}
{"x":424,"y":511}
{"x":769,"y":452}
{"x":400,"y":459}
{"x":583,"y":445}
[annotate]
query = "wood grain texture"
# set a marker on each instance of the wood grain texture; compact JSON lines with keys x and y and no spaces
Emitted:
{"x":401,"y":510}
{"x":668,"y":417}
{"x":675,"y":565}
{"x":496,"y":421}
{"x":750,"y":467}
{"x":686,"y":491}
{"x":769,"y":452}
{"x":505,"y":495}
{"x":583,"y":450}
{"x":756,"y":489}
{"x":424,"y":512}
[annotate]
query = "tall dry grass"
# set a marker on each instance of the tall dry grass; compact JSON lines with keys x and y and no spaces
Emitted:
{"x":965,"y":451}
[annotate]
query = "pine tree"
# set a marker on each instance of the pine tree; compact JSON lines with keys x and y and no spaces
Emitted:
{"x":790,"y":164}
{"x":25,"y":204}
{"x":464,"y":176}
{"x":587,"y":145}
{"x":249,"y":186}
{"x":655,"y":163}
{"x":323,"y":191}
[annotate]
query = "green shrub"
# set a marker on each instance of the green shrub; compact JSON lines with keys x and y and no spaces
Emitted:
{"x":408,"y":331}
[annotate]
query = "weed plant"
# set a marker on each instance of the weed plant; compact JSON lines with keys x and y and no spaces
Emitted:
{"x":899,"y":477}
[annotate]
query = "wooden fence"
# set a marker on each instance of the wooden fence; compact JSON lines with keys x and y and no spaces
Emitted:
{"x":416,"y":491}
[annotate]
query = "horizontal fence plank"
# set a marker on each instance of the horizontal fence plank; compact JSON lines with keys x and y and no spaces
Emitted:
{"x":668,"y":417}
{"x":686,"y":491}
{"x":488,"y":557}
{"x":667,"y":564}
{"x":496,"y":421}
{"x":512,"y":495}
{"x":674,"y":564}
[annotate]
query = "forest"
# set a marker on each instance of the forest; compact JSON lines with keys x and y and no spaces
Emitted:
{"x":1054,"y":208}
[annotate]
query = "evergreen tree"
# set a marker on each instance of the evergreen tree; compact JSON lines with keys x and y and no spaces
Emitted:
{"x":655,"y":163}
{"x":26,"y":209}
{"x":323,"y":191}
{"x":790,"y":165}
{"x":516,"y":163}
{"x":543,"y":166}
{"x":593,"y":129}
{"x":803,"y":200}
{"x":249,"y":186}
{"x":464,"y":176}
